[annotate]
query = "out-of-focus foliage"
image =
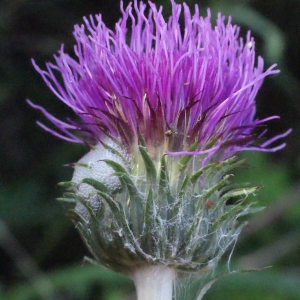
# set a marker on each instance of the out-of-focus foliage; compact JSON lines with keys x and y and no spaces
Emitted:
{"x":41,"y":254}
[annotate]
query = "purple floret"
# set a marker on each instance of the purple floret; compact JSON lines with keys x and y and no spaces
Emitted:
{"x":175,"y":84}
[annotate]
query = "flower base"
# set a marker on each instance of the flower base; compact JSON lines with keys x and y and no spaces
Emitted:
{"x":154,"y":282}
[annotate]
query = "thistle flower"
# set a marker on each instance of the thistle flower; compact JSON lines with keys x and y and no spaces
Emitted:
{"x":164,"y":107}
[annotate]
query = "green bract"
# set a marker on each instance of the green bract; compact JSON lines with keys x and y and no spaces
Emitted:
{"x":167,"y":212}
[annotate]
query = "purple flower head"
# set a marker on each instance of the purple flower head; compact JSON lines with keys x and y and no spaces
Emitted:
{"x":174,"y":84}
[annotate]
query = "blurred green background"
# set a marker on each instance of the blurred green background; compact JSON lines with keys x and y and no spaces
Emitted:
{"x":41,"y":254}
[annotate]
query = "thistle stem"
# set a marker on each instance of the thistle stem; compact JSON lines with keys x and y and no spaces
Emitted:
{"x":154,"y":282}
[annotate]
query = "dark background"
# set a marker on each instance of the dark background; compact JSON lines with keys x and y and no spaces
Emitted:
{"x":41,"y":254}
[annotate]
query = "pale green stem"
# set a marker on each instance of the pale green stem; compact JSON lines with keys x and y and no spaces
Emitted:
{"x":154,"y":282}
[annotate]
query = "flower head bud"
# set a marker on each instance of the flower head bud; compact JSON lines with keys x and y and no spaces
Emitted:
{"x":165,"y":108}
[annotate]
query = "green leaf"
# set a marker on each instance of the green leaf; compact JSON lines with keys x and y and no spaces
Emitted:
{"x":227,"y":162}
{"x":227,"y":215}
{"x":254,"y":210}
{"x":184,"y":185}
{"x":216,"y":187}
{"x":188,"y":237}
{"x":69,"y":195}
{"x":242,"y":192}
{"x":115,"y":152}
{"x":66,"y":184}
{"x":141,"y":139}
{"x":121,"y":218}
{"x":229,"y":165}
{"x":150,"y":167}
{"x":94,"y":239}
{"x":83,"y":165}
{"x":183,"y":163}
{"x":113,"y":206}
{"x":208,"y":285}
{"x":149,"y":224}
{"x":116,"y":166}
{"x":97,"y":185}
{"x":75,"y":216}
{"x":66,"y":200}
{"x":164,"y":192}
{"x":210,"y":143}
{"x":195,"y":177}
{"x":135,"y":203}
{"x":80,"y":199}
{"x":163,"y":176}
{"x":134,"y":193}
{"x":162,"y":239}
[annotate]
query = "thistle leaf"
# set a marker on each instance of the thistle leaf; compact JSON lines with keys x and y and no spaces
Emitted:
{"x":129,"y":184}
{"x":69,"y":195}
{"x":112,"y":204}
{"x":116,"y":166}
{"x":66,"y":184}
{"x":97,"y":185}
{"x":195,"y":177}
{"x":141,"y":139}
{"x":208,"y":285}
{"x":184,"y":185}
{"x":242,"y":192}
{"x":135,"y":203}
{"x":67,"y":200}
{"x":229,"y":165}
{"x":229,"y":161}
{"x":115,"y":152}
{"x":188,"y":237}
{"x":163,"y":176}
{"x":149,"y":224}
{"x":216,"y":187}
{"x":233,"y":212}
{"x":97,"y":242}
{"x":254,"y":210}
{"x":149,"y":165}
{"x":183,"y":163}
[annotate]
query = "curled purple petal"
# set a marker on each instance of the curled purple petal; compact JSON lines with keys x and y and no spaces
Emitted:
{"x":175,"y":86}
{"x":211,"y":150}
